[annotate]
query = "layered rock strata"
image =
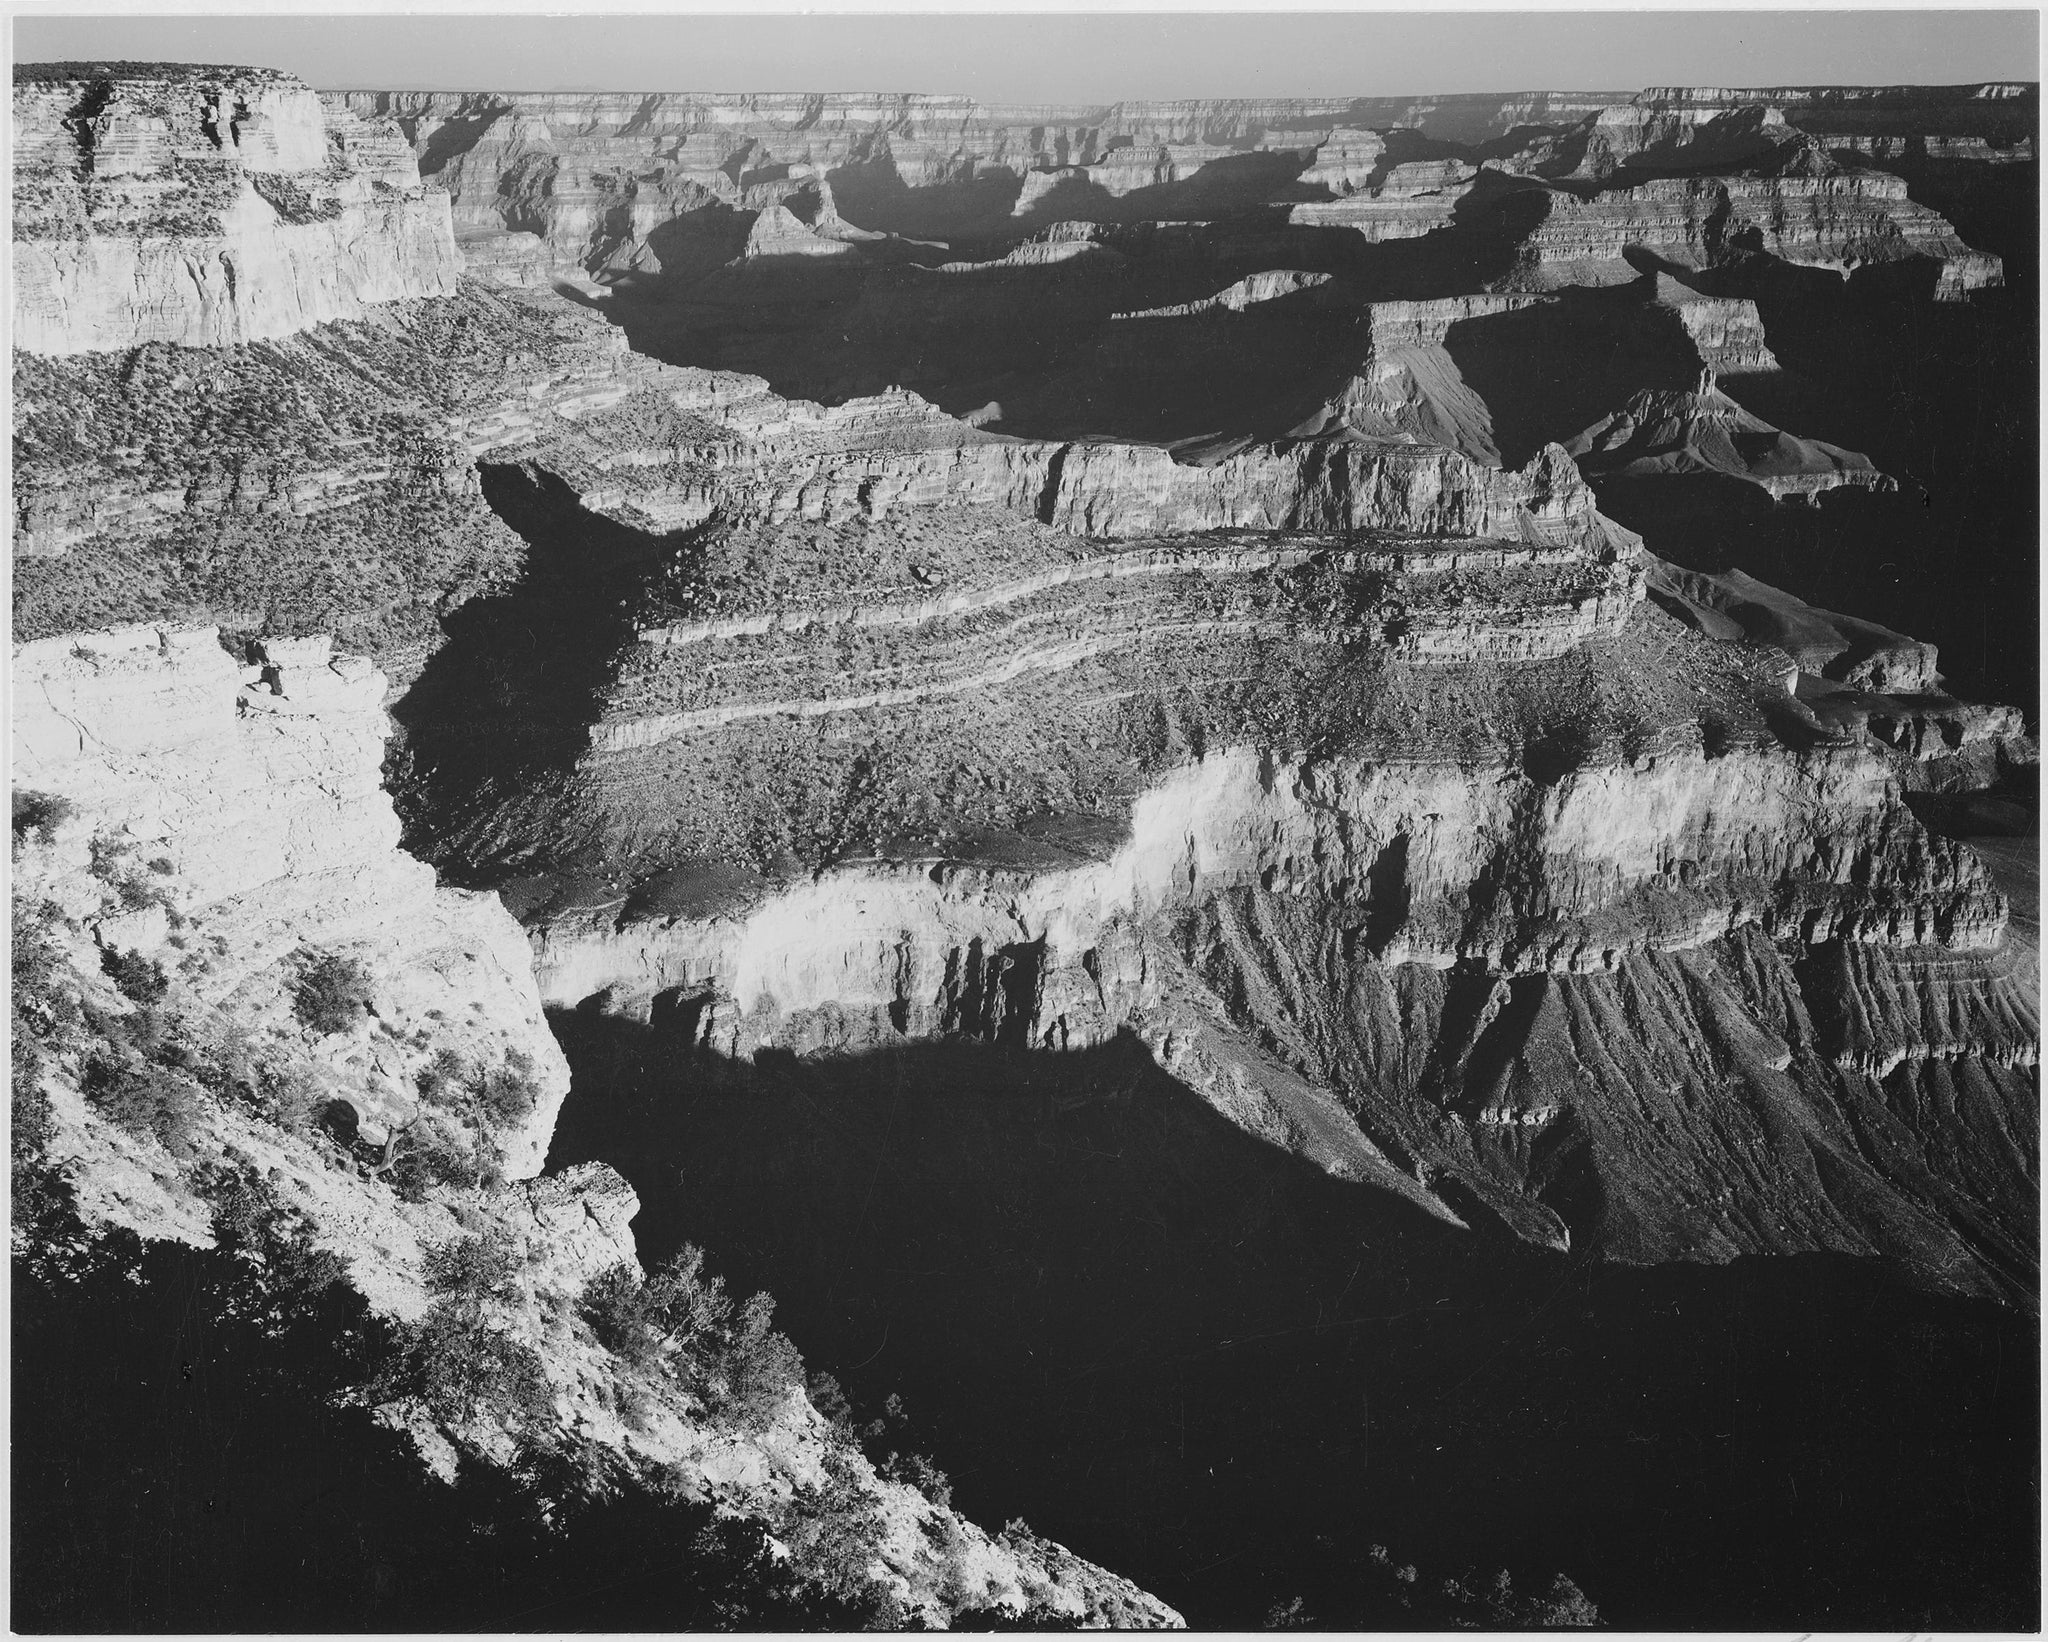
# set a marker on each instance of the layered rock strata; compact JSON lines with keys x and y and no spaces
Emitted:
{"x":218,"y":817}
{"x":1509,"y":603}
{"x":606,"y":182}
{"x":203,"y":208}
{"x":1704,"y":432}
{"x":1399,"y":966}
{"x":1801,"y":208}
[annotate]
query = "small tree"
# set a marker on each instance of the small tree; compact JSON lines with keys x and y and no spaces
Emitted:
{"x":39,"y":815}
{"x":454,"y":1359}
{"x":139,"y":979}
{"x":761,"y":1366}
{"x":331,"y":992}
{"x":143,"y":1098}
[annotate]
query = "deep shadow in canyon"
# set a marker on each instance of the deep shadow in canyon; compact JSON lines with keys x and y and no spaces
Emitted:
{"x":1940,"y":396}
{"x":504,"y":708}
{"x":1203,"y":1363}
{"x":832,"y":328}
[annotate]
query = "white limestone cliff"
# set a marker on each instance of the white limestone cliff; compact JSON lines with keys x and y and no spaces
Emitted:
{"x":260,"y":789}
{"x":208,"y":208}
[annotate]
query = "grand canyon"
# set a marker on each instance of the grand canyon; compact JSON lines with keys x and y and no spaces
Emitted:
{"x":1312,"y":821}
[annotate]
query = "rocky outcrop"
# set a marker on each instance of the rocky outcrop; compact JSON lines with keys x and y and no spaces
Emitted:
{"x":1347,"y":923}
{"x":1727,"y":332}
{"x":1705,"y":431}
{"x":1653,"y":135}
{"x":207,"y":208}
{"x":1407,"y":389}
{"x":1267,"y":286}
{"x":1398,"y":202}
{"x":1737,"y":606}
{"x":1800,"y":207}
{"x":249,"y":797}
{"x":1856,"y":677}
{"x":781,"y":459}
{"x":215,"y":819}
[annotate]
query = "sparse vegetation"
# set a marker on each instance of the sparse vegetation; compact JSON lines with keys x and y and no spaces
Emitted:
{"x":835,"y":1535}
{"x":331,"y":992}
{"x":141,"y":979}
{"x":143,"y":1097}
{"x":323,"y":489}
{"x":680,"y":1321}
{"x":461,"y":1359}
{"x":248,"y":1490}
{"x":38,"y":815}
{"x":43,"y":1014}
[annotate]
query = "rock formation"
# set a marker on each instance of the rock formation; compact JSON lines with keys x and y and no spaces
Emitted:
{"x":205,"y":208}
{"x":254,"y":793}
{"x":218,"y":818}
{"x":1707,"y":432}
{"x":1266,"y":581}
{"x":611,"y":184}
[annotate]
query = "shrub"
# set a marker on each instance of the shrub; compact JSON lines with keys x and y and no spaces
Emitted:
{"x":141,"y":980}
{"x":447,"y":1072}
{"x":462,"y":1367}
{"x":454,"y":1359}
{"x":1564,"y":1604}
{"x":829,"y":1398}
{"x":40,"y":814}
{"x":1494,"y":1604}
{"x":254,"y":1224}
{"x":835,"y":1533}
{"x":509,"y":1093}
{"x":615,"y":1304}
{"x":331,"y":992}
{"x":41,"y":1006}
{"x":920,"y":1473}
{"x":761,"y":1367}
{"x":226,"y":1064}
{"x":435,"y":1161}
{"x":144,"y":1099}
{"x":470,"y":1269}
{"x":108,"y":854}
{"x":137,"y":892}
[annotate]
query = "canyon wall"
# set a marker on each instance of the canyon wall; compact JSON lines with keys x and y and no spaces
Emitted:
{"x":617,"y":185}
{"x":216,"y":820}
{"x":207,"y":208}
{"x":249,"y":797}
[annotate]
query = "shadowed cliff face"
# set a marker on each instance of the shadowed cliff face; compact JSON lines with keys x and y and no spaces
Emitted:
{"x":1182,"y":1352}
{"x":504,"y":706}
{"x":1935,"y":397}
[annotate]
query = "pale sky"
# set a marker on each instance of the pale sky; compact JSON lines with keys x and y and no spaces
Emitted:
{"x":1078,"y":57}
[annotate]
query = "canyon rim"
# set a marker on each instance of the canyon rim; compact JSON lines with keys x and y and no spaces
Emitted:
{"x":799,"y":859}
